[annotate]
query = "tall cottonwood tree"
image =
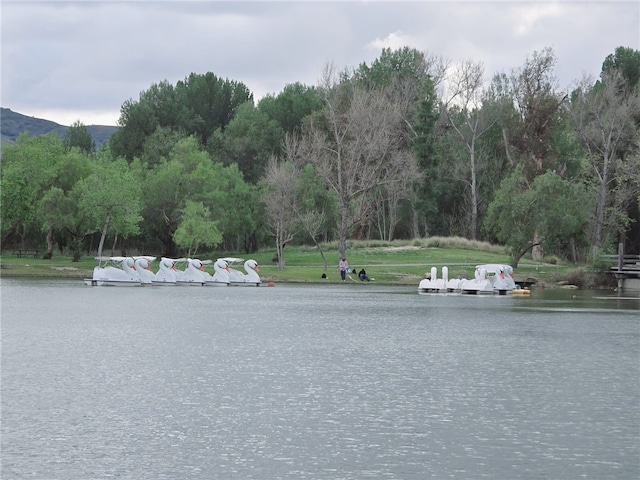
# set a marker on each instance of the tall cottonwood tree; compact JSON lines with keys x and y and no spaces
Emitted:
{"x":604,"y":114}
{"x":355,"y":144}
{"x":529,"y":137}
{"x":468,"y":121}
{"x":537,"y":99}
{"x":410,"y":79}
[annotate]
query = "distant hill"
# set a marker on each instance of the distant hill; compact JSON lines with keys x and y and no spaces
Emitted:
{"x":12,"y":124}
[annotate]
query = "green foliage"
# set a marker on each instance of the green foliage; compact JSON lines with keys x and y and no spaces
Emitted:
{"x":201,"y":141}
{"x":291,"y":106}
{"x":627,"y":60}
{"x":110,"y":198}
{"x":159,"y":144}
{"x":79,"y":137}
{"x":551,"y":209}
{"x":249,"y":141}
{"x":28,"y":169}
{"x":196,"y":228}
{"x":424,"y":150}
{"x":199,"y":105}
{"x":404,"y":63}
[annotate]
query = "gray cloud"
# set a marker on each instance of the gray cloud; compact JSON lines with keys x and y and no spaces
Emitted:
{"x":68,"y":61}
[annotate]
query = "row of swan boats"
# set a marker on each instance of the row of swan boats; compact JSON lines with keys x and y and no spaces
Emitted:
{"x":490,"y":278}
{"x":136,"y":271}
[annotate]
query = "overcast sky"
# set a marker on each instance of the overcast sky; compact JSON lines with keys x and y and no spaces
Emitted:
{"x":69,"y":61}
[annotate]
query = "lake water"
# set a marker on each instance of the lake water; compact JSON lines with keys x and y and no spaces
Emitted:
{"x":316,"y":382}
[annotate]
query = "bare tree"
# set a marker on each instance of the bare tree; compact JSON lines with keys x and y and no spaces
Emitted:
{"x":312,"y":221}
{"x":356,"y":144}
{"x":603,"y":115}
{"x":465,"y":117}
{"x":280,"y":200}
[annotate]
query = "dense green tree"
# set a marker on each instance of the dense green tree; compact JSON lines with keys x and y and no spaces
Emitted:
{"x":168,"y":186}
{"x":424,"y":150}
{"x":62,"y":219}
{"x":291,"y":106}
{"x":28,"y":170}
{"x":110,"y":199}
{"x":405,"y":67}
{"x":549,"y":209}
{"x":196,"y":229}
{"x":236,"y":204}
{"x":159,"y":144}
{"x":211,"y":103}
{"x":199,"y":105}
{"x":58,"y":209}
{"x":189,"y":175}
{"x":78,"y":136}
{"x":248,"y":141}
{"x":626,"y":61}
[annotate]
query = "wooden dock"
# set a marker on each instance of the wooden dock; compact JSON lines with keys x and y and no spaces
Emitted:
{"x":626,"y":270}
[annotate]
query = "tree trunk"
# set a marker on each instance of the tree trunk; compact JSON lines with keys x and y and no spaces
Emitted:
{"x":474,"y":193}
{"x":280,"y":249}
{"x":344,"y":229}
{"x":505,"y":139}
{"x":105,"y":228}
{"x":416,"y":224}
{"x":537,"y":253}
{"x":602,"y":203}
{"x":50,"y":244}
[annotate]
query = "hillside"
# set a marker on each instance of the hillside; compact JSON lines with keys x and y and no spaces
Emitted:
{"x":12,"y":124}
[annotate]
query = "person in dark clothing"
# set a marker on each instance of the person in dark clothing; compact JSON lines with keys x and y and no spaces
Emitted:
{"x":363,"y":275}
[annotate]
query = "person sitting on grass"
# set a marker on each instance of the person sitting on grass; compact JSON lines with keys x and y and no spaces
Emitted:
{"x":363,"y":275}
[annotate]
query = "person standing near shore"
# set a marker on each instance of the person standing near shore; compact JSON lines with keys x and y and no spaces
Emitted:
{"x":343,"y":266}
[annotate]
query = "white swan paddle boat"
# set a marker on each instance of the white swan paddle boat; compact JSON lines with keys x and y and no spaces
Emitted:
{"x":249,"y":279}
{"x":491,"y":278}
{"x":193,"y":273}
{"x":439,"y":285}
{"x":221,"y":273}
{"x":119,"y":271}
{"x":167,"y":272}
{"x":143,"y":269}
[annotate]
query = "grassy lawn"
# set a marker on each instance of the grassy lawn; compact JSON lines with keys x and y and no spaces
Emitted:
{"x":398,"y":262}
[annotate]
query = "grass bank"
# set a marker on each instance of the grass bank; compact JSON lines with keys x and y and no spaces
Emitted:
{"x":393,"y":263}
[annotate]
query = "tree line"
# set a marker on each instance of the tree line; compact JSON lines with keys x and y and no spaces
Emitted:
{"x":409,"y":146}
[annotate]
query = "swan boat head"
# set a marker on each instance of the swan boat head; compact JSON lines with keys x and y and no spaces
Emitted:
{"x":252,"y":269}
{"x":221,"y":271}
{"x":143,"y":268}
